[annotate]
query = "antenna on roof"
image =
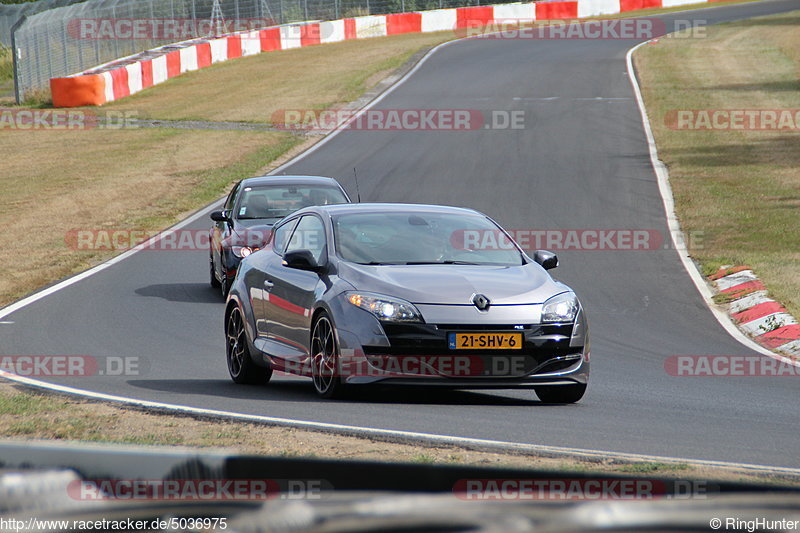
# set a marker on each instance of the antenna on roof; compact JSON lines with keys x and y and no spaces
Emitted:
{"x":358,"y":193}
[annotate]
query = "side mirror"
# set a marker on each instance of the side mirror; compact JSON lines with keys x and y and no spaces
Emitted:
{"x":219,"y":216}
{"x":302,"y":260}
{"x":548,"y":260}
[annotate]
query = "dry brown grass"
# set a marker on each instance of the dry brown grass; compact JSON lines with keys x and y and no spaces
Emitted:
{"x":126,"y":178}
{"x":254,"y":87}
{"x":30,"y":415}
{"x":54,"y":181}
{"x":741,"y":190}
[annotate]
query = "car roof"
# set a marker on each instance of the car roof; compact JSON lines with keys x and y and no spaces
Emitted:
{"x":289,"y":180}
{"x":346,"y":209}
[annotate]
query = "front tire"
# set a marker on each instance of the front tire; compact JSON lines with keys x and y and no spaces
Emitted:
{"x":562,"y":393}
{"x":240,"y":366}
{"x":325,"y":360}
{"x":213,"y":275}
{"x":224,"y":285}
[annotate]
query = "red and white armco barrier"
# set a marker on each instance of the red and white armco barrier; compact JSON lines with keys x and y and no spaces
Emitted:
{"x":130,"y":75}
{"x":764,"y":319}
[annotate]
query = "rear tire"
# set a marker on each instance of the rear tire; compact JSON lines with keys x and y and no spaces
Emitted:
{"x":240,"y":366}
{"x":561,"y":394}
{"x":325,"y":360}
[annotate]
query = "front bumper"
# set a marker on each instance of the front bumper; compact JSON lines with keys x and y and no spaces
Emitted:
{"x":418,"y":354}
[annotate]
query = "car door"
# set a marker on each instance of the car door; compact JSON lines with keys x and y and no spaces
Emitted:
{"x":258,"y":282}
{"x":221,"y":230}
{"x":292,"y":292}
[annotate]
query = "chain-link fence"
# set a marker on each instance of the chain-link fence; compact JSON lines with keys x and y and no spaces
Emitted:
{"x":11,"y":13}
{"x":67,"y":40}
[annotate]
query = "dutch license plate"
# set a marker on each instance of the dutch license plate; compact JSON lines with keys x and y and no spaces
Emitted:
{"x":485,"y":341}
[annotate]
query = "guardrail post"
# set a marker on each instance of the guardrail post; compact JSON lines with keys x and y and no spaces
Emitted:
{"x":15,"y":56}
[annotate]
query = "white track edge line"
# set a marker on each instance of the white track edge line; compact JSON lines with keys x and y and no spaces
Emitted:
{"x":675,"y":229}
{"x":691,"y":268}
{"x":24,"y":302}
{"x":16,"y":306}
{"x":400,"y":435}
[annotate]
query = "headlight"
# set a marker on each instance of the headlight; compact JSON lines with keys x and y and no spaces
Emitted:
{"x":242,"y":251}
{"x":385,"y":307}
{"x":561,"y":308}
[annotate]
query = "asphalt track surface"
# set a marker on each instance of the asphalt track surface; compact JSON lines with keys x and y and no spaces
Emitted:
{"x":580,"y":162}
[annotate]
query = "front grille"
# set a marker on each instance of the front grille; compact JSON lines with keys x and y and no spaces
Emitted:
{"x":430,"y":341}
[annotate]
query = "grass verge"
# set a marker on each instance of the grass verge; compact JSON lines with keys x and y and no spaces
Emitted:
{"x":739,"y":189}
{"x":148,"y":178}
{"x":54,"y":181}
{"x":6,"y":65}
{"x":6,"y":73}
{"x":29,"y":414}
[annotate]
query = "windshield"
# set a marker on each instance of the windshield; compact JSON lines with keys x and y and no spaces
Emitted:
{"x":277,"y":201}
{"x":419,"y":238}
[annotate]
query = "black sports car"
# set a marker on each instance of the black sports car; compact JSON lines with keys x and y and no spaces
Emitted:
{"x":253,"y":206}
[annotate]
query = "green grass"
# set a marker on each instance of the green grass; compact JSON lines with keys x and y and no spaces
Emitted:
{"x":28,"y":404}
{"x":6,"y":68}
{"x":649,"y":468}
{"x":739,"y":189}
{"x":213,"y":183}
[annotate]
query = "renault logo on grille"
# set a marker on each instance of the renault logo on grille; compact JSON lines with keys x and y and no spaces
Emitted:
{"x":481,"y":302}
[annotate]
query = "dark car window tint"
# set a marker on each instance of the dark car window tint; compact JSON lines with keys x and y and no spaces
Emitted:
{"x":400,"y":238}
{"x":281,"y":235}
{"x":229,"y":203}
{"x":309,"y":235}
{"x":278,"y":201}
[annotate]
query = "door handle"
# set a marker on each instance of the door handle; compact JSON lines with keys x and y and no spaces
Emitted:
{"x":268,"y":285}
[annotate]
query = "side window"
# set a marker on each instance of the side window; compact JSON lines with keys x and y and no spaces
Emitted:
{"x":232,"y":197}
{"x":309,"y":235}
{"x":281,"y":236}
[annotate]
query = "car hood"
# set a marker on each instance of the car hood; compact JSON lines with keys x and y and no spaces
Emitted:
{"x":454,"y":284}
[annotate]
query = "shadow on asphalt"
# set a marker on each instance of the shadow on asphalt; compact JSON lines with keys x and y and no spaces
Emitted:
{"x":301,"y":390}
{"x":183,"y":292}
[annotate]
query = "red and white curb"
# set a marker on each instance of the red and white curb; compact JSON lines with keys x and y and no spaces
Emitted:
{"x":760,"y":317}
{"x":127,"y":76}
